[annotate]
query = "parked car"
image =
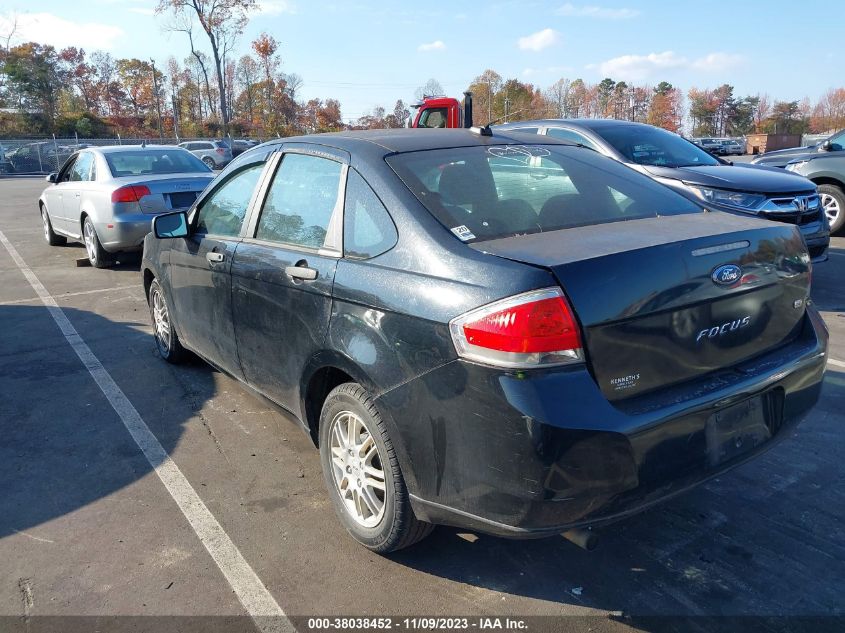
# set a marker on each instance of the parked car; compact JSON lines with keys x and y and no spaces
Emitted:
{"x":731,"y":147}
{"x":38,"y":157}
{"x":506,"y":333}
{"x":782,"y":157}
{"x":215,"y":154}
{"x":713,"y":145}
{"x":737,"y":188}
{"x":828,"y":171}
{"x":239,"y":146}
{"x":5,"y":163}
{"x":105,"y":197}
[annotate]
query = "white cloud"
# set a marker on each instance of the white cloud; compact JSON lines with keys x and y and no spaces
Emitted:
{"x":539,"y":40}
{"x":717,"y":62}
{"x":47,"y":28}
{"x":639,"y":67}
{"x":601,"y":13}
{"x":436,"y":45}
{"x":274,"y":7}
{"x":141,"y":11}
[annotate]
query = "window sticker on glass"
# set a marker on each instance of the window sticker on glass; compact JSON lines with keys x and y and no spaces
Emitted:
{"x":518,"y":153}
{"x":463,"y":232}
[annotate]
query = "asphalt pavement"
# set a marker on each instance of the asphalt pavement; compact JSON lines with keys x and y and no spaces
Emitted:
{"x":90,"y":526}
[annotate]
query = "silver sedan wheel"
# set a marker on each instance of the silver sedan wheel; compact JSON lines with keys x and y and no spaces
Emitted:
{"x":90,"y":237}
{"x":831,"y":208}
{"x":161,"y":321}
{"x":357,"y":469}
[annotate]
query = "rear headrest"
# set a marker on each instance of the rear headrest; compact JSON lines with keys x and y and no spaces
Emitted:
{"x":461,"y":184}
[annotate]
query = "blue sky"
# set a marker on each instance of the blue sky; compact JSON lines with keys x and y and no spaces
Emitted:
{"x":367,"y":52}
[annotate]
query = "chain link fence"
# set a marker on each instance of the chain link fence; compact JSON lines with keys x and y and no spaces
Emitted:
{"x":36,"y":156}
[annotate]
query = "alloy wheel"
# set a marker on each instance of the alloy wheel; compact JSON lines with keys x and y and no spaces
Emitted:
{"x":46,"y":223}
{"x":161,"y":321}
{"x":357,"y":469}
{"x":90,"y":238}
{"x":831,"y":208}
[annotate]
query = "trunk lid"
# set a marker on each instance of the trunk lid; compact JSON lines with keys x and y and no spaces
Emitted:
{"x":652,"y":313}
{"x":168,"y":192}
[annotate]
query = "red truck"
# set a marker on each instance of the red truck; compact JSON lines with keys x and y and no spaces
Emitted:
{"x":443,"y":112}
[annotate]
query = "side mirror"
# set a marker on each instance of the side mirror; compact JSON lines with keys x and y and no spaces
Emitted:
{"x":52,"y":177}
{"x":826,"y":146}
{"x":171,"y":225}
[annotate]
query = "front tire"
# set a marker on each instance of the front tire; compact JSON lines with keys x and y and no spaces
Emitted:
{"x":166,"y":339}
{"x":362,"y":473}
{"x":97,"y":255}
{"x":52,"y":238}
{"x":833,"y":203}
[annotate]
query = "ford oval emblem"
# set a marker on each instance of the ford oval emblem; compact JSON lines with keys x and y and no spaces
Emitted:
{"x":726,"y":275}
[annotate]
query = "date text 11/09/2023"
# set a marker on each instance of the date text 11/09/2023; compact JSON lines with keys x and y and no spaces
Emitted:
{"x":418,"y":623}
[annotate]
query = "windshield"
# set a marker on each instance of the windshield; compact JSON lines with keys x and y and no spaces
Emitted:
{"x":646,"y":145}
{"x":837,"y":141}
{"x":482,"y":193}
{"x":153,"y":161}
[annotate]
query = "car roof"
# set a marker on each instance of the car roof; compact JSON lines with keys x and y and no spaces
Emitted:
{"x":413,"y":140}
{"x":590,"y":124}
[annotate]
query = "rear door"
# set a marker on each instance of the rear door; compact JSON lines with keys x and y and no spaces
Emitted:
{"x":283,"y":272}
{"x":201,"y":285}
{"x":79,"y":177}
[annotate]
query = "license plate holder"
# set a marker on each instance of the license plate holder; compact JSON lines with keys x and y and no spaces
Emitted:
{"x":735,"y":430}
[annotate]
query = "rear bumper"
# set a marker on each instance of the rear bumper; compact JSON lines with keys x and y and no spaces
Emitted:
{"x":124,"y":232}
{"x":528,"y":454}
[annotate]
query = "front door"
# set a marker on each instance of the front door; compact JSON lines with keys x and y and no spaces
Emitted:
{"x":283,"y":274}
{"x":200,"y":280}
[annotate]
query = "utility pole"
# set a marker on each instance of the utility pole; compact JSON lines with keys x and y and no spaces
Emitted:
{"x":158,"y":105}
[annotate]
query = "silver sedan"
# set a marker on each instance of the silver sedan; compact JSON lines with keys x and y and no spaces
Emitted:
{"x":106,"y":197}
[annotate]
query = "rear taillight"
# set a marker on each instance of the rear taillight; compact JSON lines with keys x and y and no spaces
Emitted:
{"x":533,"y":329}
{"x":130,"y":193}
{"x":220,"y":150}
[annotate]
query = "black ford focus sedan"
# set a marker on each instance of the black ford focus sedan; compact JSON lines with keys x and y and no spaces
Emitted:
{"x":501,"y":332}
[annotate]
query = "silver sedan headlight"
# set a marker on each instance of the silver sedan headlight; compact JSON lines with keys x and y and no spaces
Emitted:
{"x":736,"y":199}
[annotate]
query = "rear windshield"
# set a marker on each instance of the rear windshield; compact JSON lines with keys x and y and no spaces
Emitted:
{"x":153,"y":161}
{"x":481,"y":193}
{"x":646,"y":145}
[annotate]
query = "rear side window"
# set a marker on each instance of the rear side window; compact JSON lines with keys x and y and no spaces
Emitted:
{"x":487,"y":192}
{"x":81,"y":170}
{"x":368,"y":229}
{"x":301,"y":201}
{"x":570,"y":135}
{"x":223,"y":212}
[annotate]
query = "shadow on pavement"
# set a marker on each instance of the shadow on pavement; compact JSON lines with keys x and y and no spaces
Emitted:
{"x":63,"y":446}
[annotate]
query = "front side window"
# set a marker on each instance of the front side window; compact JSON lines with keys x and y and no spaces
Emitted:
{"x":368,"y":229}
{"x":81,"y":169}
{"x":301,"y":201}
{"x":482,"y":193}
{"x":837,"y":142}
{"x":223,"y":212}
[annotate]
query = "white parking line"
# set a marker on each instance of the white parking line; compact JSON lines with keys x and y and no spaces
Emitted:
{"x":70,"y":294}
{"x":253,"y":595}
{"x":835,"y":363}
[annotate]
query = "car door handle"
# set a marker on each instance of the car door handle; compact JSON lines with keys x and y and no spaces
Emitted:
{"x":215,"y":258}
{"x":77,"y":194}
{"x":301,"y":272}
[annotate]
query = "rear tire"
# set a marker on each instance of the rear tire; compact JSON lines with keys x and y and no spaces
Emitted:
{"x":52,"y":238}
{"x":166,"y":339}
{"x":210,"y":162}
{"x":362,"y":473}
{"x":833,"y":203}
{"x":97,"y":255}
